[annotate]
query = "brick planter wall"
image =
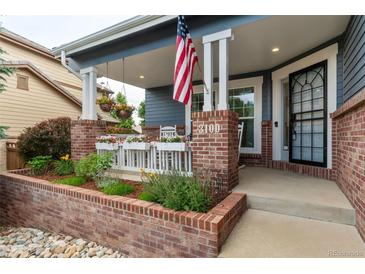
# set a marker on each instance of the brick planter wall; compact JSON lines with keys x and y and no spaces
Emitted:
{"x":216,"y":152}
{"x":135,"y":228}
{"x":83,"y":136}
{"x":348,"y":123}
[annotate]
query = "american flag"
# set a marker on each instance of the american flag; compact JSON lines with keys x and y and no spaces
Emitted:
{"x":184,"y":65}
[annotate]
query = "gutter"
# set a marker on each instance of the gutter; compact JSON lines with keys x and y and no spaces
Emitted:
{"x":116,"y":31}
{"x":64,"y":63}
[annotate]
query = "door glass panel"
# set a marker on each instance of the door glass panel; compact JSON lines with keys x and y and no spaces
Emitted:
{"x":318,"y":140}
{"x":318,"y":155}
{"x":307,"y":140}
{"x":318,"y":104}
{"x":306,"y":106}
{"x":306,"y":153}
{"x":307,"y":116}
{"x":296,"y":153}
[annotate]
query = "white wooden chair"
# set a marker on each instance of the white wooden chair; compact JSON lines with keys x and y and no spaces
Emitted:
{"x":168,"y":132}
{"x":240,"y":134}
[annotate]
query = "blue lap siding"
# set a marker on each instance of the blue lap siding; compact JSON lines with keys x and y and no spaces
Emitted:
{"x":354,"y":57}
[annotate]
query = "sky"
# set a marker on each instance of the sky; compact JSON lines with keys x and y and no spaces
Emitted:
{"x":53,"y":31}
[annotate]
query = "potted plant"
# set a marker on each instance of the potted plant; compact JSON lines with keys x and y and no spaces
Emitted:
{"x":107,"y":143}
{"x":123,"y":111}
{"x":105,"y":103}
{"x":171,"y":144}
{"x":136,"y":143}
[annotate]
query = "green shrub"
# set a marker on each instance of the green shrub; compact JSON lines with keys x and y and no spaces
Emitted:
{"x":93,"y":166}
{"x":146,"y":196}
{"x":118,"y":189}
{"x":51,"y":137}
{"x":64,"y":166}
{"x":176,"y":191}
{"x":71,"y":181}
{"x":102,"y":182}
{"x":39,"y":165}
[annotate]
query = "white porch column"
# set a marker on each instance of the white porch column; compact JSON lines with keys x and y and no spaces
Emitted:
{"x":223,"y":74}
{"x":222,"y":37}
{"x":208,"y":77}
{"x":88,"y":94}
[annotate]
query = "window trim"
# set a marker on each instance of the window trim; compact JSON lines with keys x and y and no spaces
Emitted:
{"x":256,"y":83}
{"x":26,"y":77}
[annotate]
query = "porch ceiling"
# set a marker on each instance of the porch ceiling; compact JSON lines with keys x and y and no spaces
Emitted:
{"x":249,"y":51}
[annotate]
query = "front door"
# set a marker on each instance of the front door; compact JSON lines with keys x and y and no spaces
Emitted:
{"x":308,"y":112}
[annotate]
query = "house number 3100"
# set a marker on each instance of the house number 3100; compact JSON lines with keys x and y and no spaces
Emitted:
{"x":209,"y":128}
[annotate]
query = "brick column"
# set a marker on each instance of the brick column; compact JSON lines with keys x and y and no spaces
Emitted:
{"x":266,"y":142}
{"x":83,"y":135}
{"x":215,"y":146}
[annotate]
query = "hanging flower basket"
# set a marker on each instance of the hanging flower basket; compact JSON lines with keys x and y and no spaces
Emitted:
{"x":105,"y":103}
{"x":123,"y":114}
{"x":123,"y":111}
{"x":106,"y":107}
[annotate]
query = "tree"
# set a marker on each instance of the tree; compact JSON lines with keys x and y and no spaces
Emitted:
{"x":142,"y":113}
{"x":4,"y":71}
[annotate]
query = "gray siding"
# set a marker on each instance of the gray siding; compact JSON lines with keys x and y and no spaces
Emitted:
{"x":340,"y":74}
{"x":354,"y":57}
{"x":161,"y":109}
{"x":267,"y":96}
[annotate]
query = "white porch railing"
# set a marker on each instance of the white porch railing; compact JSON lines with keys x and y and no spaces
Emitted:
{"x":151,"y":159}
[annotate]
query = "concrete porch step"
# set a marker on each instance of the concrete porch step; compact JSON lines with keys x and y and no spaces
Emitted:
{"x":299,"y":208}
{"x":295,"y":195}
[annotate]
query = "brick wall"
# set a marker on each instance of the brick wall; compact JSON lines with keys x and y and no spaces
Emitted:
{"x":263,"y":159}
{"x":134,"y":227}
{"x":83,"y":136}
{"x":348,"y":123}
{"x":216,"y":152}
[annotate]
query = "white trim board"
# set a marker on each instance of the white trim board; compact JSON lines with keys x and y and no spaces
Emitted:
{"x":329,"y":54}
{"x":255,"y":82}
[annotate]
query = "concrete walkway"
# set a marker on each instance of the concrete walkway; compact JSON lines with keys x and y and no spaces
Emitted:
{"x":262,"y":234}
{"x":295,"y":194}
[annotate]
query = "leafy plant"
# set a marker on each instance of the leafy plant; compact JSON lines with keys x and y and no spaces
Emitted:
{"x":40,"y":164}
{"x":176,"y":139}
{"x":142,"y":113}
{"x":146,"y":196}
{"x":104,"y":100}
{"x":136,"y":139}
{"x":118,"y":189}
{"x":102,"y":182}
{"x":177,"y":191}
{"x":119,"y":130}
{"x":93,"y":166}
{"x":71,"y":181}
{"x":51,"y":137}
{"x":126,"y":123}
{"x":64,"y":166}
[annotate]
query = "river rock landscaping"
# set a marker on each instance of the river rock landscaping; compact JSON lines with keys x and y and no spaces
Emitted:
{"x":34,"y":243}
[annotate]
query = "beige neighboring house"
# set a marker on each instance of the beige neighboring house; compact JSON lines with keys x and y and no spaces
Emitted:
{"x":39,"y":89}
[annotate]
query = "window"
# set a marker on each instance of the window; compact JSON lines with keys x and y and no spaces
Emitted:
{"x":242,"y":101}
{"x":198,"y":101}
{"x":22,"y":82}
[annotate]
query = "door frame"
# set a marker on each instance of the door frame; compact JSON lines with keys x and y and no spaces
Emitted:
{"x":325,"y":126}
{"x":330,"y":54}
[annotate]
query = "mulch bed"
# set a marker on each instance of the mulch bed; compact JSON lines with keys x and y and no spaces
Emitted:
{"x":138,"y":187}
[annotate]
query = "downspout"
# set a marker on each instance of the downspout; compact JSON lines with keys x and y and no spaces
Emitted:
{"x":64,"y":63}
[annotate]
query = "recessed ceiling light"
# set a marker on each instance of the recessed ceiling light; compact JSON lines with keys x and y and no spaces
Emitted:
{"x":275,"y":49}
{"x":141,"y":77}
